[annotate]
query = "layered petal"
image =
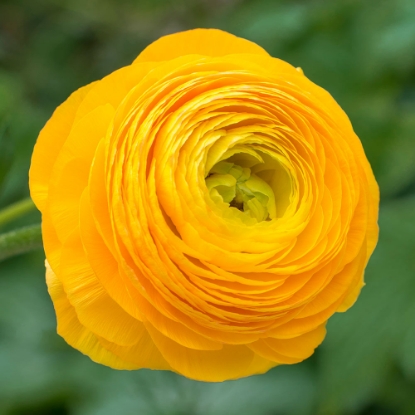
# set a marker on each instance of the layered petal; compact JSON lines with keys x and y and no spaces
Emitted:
{"x":205,"y":210}
{"x":209,"y":42}
{"x":143,"y":353}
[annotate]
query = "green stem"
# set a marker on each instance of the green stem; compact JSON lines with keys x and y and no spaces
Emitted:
{"x":20,"y":241}
{"x":15,"y":210}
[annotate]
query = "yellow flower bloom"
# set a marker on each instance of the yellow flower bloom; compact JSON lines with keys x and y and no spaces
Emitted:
{"x":204,"y":210}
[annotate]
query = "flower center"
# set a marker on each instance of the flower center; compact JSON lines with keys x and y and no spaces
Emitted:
{"x":238,"y":186}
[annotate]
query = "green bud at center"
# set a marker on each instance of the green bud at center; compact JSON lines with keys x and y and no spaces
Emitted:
{"x":241,"y":189}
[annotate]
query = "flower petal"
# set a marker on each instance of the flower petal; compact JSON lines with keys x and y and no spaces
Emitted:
{"x":49,"y":143}
{"x":74,"y":333}
{"x":209,"y":42}
{"x":231,"y":362}
{"x":290,"y":350}
{"x":94,"y":307}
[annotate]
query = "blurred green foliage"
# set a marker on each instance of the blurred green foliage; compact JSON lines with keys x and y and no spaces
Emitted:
{"x":363,"y":52}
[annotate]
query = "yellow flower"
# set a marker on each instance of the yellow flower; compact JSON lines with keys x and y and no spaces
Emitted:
{"x":204,"y":210}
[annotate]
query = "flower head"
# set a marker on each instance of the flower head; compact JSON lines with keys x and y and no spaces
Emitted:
{"x":204,"y":210}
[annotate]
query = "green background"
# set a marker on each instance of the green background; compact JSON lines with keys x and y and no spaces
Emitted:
{"x":363,"y":52}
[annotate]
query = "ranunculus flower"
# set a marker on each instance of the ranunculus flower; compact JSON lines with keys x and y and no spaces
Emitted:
{"x":205,"y":210}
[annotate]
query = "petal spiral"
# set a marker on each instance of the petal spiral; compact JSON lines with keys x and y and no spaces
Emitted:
{"x":205,"y":210}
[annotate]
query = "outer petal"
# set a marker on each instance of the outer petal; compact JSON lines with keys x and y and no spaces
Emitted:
{"x":94,"y":307}
{"x":232,"y":362}
{"x":50,"y":141}
{"x":290,"y":350}
{"x":109,"y":90}
{"x":143,"y":354}
{"x":209,"y":42}
{"x":74,"y":332}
